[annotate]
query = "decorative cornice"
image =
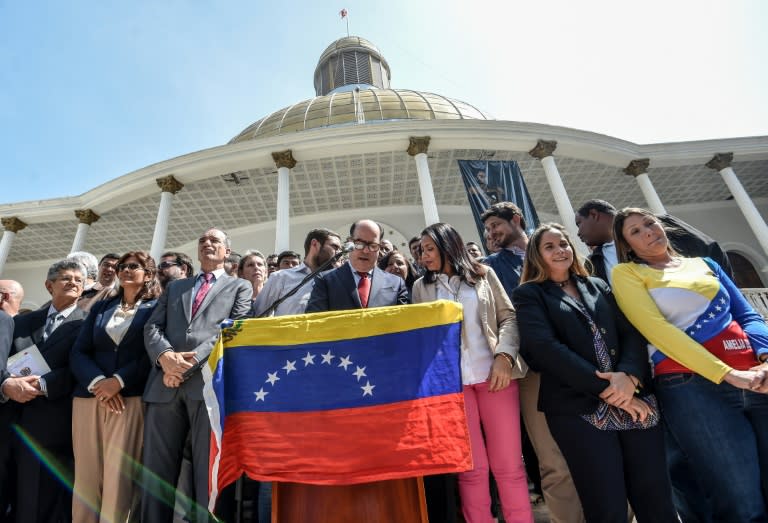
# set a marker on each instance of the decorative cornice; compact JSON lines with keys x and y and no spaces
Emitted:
{"x":86,"y":216}
{"x":284,"y":159}
{"x":543,"y":149}
{"x":13,"y":224}
{"x":720,"y":161}
{"x":418,"y":145}
{"x":637,"y":167}
{"x":169,"y":184}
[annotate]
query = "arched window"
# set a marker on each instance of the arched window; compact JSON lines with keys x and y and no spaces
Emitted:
{"x":745,"y":274}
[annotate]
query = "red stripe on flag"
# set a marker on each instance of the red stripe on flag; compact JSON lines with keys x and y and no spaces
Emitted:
{"x":348,"y":446}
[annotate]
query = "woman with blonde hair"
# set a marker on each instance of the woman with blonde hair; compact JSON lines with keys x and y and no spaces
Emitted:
{"x":594,"y":383}
{"x":709,"y":348}
{"x":490,"y":366}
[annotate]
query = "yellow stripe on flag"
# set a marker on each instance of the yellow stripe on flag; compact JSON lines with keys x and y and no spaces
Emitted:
{"x":343,"y":325}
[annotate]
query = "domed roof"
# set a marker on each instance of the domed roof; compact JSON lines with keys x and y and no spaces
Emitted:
{"x":360,"y":106}
{"x":353,"y":42}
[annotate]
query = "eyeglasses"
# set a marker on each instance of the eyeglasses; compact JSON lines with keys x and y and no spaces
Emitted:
{"x":131,"y":266}
{"x":372,"y":246}
{"x":167,"y":264}
{"x":213,"y":239}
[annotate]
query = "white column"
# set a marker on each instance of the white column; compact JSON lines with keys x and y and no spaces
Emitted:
{"x":543,"y":151}
{"x":418,"y":149}
{"x":722,"y":164}
{"x":284,"y":161}
{"x":639,"y":169}
{"x":169,"y":186}
{"x":12,"y":226}
{"x":86,"y":217}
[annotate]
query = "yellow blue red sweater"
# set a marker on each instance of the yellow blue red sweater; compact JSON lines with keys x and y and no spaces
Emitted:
{"x":679,"y":309}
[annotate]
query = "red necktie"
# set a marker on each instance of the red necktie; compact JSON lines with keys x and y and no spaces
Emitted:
{"x":364,"y":288}
{"x":201,"y":292}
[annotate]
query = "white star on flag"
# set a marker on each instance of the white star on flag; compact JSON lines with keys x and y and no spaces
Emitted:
{"x":360,"y":373}
{"x":272,"y":378}
{"x":718,"y":308}
{"x":345,"y":362}
{"x":698,"y":325}
{"x":309,"y":359}
{"x":368,"y":389}
{"x":327,"y":357}
{"x":711,"y":314}
{"x":722,"y":300}
{"x":260,"y":394}
{"x":289,"y":366}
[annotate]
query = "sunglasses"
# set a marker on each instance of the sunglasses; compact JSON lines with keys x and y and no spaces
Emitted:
{"x":131,"y":266}
{"x":167,"y":264}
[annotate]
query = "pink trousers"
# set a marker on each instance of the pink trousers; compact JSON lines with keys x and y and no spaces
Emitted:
{"x":499,"y":414}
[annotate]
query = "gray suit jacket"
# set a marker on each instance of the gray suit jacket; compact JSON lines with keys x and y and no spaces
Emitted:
{"x":336,"y":291}
{"x":172,"y":327}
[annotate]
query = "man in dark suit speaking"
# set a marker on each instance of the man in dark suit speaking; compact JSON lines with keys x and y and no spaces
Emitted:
{"x":182,"y":331}
{"x":359,"y":284}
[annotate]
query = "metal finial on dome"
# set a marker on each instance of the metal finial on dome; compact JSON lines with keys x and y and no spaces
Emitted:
{"x":351,"y":61}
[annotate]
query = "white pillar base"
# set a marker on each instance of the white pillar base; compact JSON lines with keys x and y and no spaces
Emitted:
{"x":428,"y":202}
{"x":651,"y":196}
{"x":752,"y":215}
{"x":563,"y":203}
{"x":5,"y":248}
{"x":80,"y":236}
{"x":161,"y":226}
{"x":282,"y":218}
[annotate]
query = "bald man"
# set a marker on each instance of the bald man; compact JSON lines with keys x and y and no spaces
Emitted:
{"x":11,"y":296}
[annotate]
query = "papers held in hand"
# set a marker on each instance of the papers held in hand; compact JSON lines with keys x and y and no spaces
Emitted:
{"x":28,"y":362}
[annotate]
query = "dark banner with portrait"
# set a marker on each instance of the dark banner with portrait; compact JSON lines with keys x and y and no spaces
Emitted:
{"x":497,"y":181}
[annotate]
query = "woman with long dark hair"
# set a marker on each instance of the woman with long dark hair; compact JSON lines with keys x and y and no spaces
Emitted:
{"x":396,"y":263}
{"x":111,"y":366}
{"x":490,"y":366}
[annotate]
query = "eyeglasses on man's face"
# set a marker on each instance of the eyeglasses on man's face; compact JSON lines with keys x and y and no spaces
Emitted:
{"x":360,"y":245}
{"x":130,"y":266}
{"x":167,"y":264}
{"x":213,"y":239}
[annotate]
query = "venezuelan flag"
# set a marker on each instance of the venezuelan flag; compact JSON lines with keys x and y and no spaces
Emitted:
{"x":338,"y":398}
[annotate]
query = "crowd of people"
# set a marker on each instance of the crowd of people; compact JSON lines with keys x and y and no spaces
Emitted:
{"x":631,"y":384}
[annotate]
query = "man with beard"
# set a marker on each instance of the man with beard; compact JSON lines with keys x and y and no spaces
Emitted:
{"x":320,"y":245}
{"x":505,"y":230}
{"x":174,"y":266}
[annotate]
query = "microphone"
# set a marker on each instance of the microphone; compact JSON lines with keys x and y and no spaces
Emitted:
{"x":348,"y":247}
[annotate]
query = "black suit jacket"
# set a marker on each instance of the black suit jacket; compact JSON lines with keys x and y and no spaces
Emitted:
{"x":6,"y":340}
{"x":557,"y":341}
{"x":95,"y":354}
{"x":336,"y":290}
{"x":48,"y":419}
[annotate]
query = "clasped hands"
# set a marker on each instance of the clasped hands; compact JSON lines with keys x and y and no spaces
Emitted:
{"x":754,"y":379}
{"x":22,"y":389}
{"x":621,"y":393}
{"x":107,"y":391}
{"x":174,"y":365}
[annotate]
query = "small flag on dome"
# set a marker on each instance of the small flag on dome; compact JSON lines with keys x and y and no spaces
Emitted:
{"x":343,"y":13}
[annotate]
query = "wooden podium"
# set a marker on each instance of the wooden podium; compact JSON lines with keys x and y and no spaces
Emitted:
{"x":400,"y":500}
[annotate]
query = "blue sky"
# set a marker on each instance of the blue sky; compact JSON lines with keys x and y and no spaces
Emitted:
{"x":92,"y":90}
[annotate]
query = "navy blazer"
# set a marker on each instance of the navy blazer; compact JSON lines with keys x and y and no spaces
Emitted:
{"x":557,"y":341}
{"x":95,"y":353}
{"x":48,"y":419}
{"x":336,"y":290}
